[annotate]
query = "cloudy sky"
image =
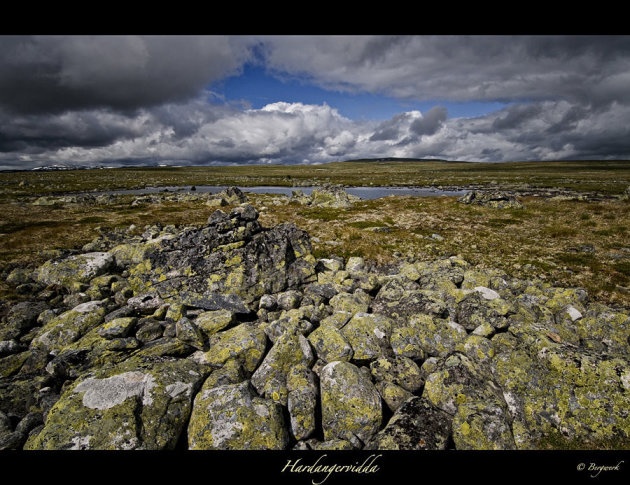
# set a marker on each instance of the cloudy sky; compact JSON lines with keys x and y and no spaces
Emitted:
{"x":189,"y":100}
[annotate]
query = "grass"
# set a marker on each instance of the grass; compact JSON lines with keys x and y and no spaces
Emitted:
{"x":543,"y":240}
{"x":608,"y":177}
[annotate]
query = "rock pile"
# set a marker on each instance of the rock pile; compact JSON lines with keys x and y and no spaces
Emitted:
{"x":233,"y":336}
{"x":496,"y":199}
{"x":326,"y":196}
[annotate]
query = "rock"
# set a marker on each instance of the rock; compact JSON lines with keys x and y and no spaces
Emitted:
{"x":268,"y":302}
{"x":475,"y":309}
{"x":302,"y":401}
{"x":482,"y":426}
{"x":395,"y":301}
{"x":355,"y":264}
{"x":553,"y":389}
{"x":435,"y":336}
{"x":245,"y":343}
{"x":232,"y":195}
{"x":408,"y":342}
{"x":118,"y":327}
{"x":145,"y":304}
{"x":149,"y":329}
{"x":80,"y":268}
{"x":478,"y":348}
{"x":416,"y":425}
{"x":393,"y":395}
{"x":401,"y":371}
{"x":337,"y":319}
{"x":8,"y":347}
{"x":291,"y":321}
{"x":351,"y":405}
{"x":289,"y":299}
{"x":460,"y":381}
{"x":69,"y":327}
{"x":326,"y":196}
{"x":21,"y":318}
{"x":232,"y":372}
{"x":368,"y":334}
{"x":487,"y":293}
{"x":494,"y":199}
{"x":350,"y":303}
{"x":214,"y":321}
{"x":330,"y":344}
{"x":19,"y":276}
{"x":270,"y":379}
{"x":189,"y":333}
{"x":134,"y":405}
{"x":233,"y":417}
{"x":235,"y":263}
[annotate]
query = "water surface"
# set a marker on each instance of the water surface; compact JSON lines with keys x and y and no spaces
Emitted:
{"x":363,"y":192}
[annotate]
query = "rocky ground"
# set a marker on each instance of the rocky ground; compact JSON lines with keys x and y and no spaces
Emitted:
{"x":234,"y":336}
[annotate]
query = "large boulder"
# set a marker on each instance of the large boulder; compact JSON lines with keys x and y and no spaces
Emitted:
{"x":69,"y":327}
{"x":289,"y":350}
{"x":135,"y":405}
{"x":228,"y":264}
{"x":80,"y":268}
{"x":351,"y":405}
{"x":326,"y":196}
{"x":495,"y":199}
{"x":233,"y":417}
{"x":416,"y":425}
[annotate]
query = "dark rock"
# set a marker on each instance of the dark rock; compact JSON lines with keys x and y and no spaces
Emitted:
{"x":496,"y":199}
{"x":125,"y":311}
{"x":149,"y":329}
{"x":215,"y":301}
{"x":416,"y":425}
{"x":21,"y":318}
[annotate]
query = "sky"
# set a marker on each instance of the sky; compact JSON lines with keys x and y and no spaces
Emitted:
{"x":215,"y":100}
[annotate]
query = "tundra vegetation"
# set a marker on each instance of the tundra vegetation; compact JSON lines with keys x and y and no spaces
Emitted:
{"x":498,"y":320}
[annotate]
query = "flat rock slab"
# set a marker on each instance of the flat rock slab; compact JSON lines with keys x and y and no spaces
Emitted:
{"x":135,"y":405}
{"x":80,"y":268}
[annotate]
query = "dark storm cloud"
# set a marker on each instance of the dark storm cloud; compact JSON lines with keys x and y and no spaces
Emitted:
{"x":391,"y":129}
{"x":515,"y":116}
{"x":51,"y":74}
{"x":36,"y":133}
{"x":593,"y":69}
{"x":430,"y":122}
{"x":129,"y":99}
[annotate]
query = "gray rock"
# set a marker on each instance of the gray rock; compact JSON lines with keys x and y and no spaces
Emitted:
{"x":145,"y":304}
{"x":351,"y":405}
{"x":133,"y":405}
{"x":270,"y":379}
{"x":117,"y":327}
{"x":189,"y":333}
{"x":302,"y":401}
{"x":368,"y":334}
{"x":233,"y":417}
{"x":74,"y":269}
{"x":495,"y":199}
{"x":399,"y":370}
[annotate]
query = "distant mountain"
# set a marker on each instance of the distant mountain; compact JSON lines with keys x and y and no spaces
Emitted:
{"x":54,"y":167}
{"x":397,"y":159}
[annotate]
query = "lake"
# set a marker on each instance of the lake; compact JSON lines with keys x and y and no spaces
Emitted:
{"x":363,"y":192}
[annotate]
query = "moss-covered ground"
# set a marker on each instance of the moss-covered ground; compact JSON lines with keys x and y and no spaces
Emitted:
{"x":567,"y":242}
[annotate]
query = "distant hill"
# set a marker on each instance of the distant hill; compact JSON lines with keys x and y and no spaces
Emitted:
{"x":397,"y":159}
